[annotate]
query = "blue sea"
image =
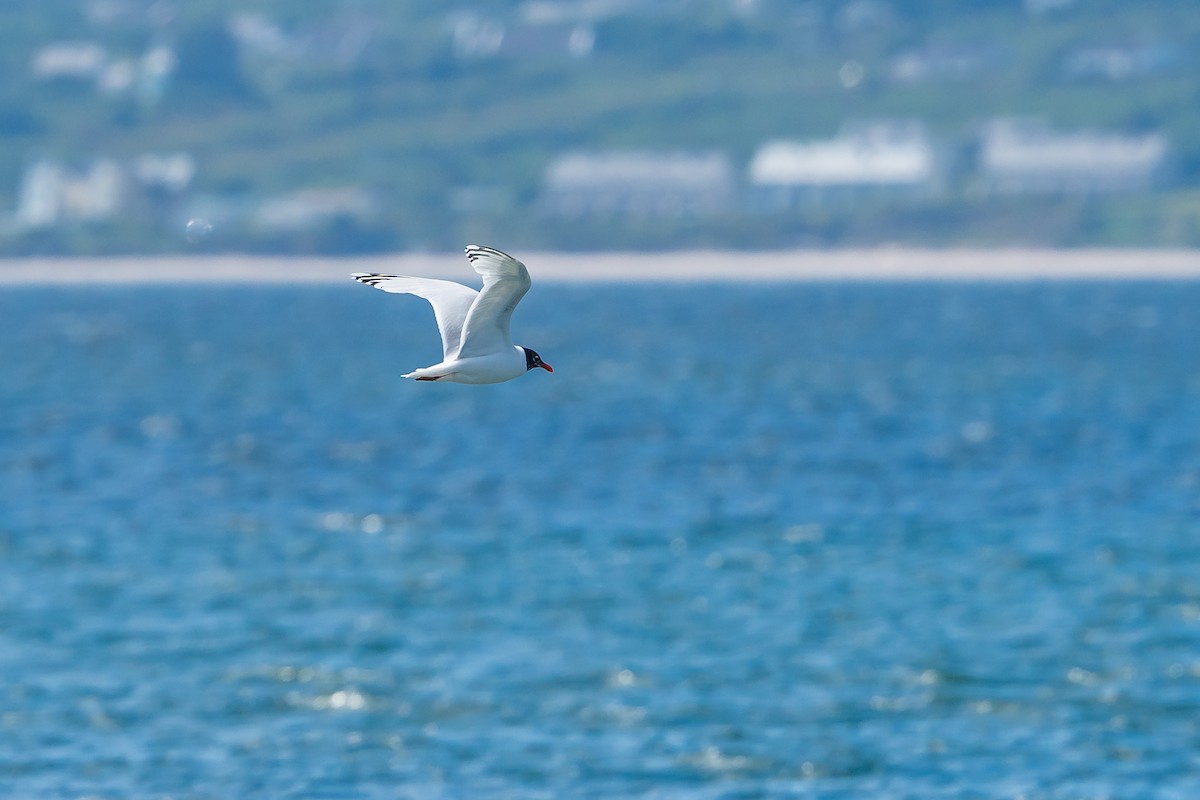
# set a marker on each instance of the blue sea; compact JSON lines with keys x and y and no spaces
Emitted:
{"x":843,"y":540}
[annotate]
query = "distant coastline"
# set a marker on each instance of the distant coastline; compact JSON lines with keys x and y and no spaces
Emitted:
{"x":879,"y":264}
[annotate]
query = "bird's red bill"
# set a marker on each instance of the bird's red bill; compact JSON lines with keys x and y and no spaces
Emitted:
{"x":546,"y":367}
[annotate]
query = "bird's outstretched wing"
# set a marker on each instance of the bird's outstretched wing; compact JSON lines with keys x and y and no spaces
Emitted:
{"x":505,"y":282}
{"x":451,"y":302}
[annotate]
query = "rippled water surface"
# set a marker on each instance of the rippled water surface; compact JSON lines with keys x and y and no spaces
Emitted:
{"x":827,"y":541}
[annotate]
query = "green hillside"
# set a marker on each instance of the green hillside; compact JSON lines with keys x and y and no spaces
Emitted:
{"x":406,"y":104}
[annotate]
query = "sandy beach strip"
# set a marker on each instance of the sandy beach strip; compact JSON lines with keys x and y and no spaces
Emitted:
{"x":883,"y":264}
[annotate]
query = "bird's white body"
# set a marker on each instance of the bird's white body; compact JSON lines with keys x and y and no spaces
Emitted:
{"x":490,"y":368}
{"x":476,"y":347}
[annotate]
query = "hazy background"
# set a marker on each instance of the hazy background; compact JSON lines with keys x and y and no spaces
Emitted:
{"x":751,"y":540}
{"x":383,"y":125}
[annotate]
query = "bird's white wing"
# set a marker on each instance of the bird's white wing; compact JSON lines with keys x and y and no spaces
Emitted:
{"x":505,"y":282}
{"x":451,"y":302}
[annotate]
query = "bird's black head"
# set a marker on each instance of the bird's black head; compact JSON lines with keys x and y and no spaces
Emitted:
{"x":532,"y":359}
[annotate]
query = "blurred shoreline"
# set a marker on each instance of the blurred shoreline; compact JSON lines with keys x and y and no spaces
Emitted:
{"x":884,"y":264}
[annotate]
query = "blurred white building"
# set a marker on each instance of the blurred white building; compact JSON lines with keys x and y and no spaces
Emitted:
{"x":638,"y":183}
{"x":69,"y":60}
{"x":50,"y":193}
{"x":1027,"y":157}
{"x":39,"y":198}
{"x":97,"y":193}
{"x":874,"y":159}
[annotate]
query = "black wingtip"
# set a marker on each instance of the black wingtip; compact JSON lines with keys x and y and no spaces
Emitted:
{"x":474,"y":251}
{"x":371,"y":278}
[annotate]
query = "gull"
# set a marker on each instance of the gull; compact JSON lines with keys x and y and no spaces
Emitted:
{"x":476,"y":347}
